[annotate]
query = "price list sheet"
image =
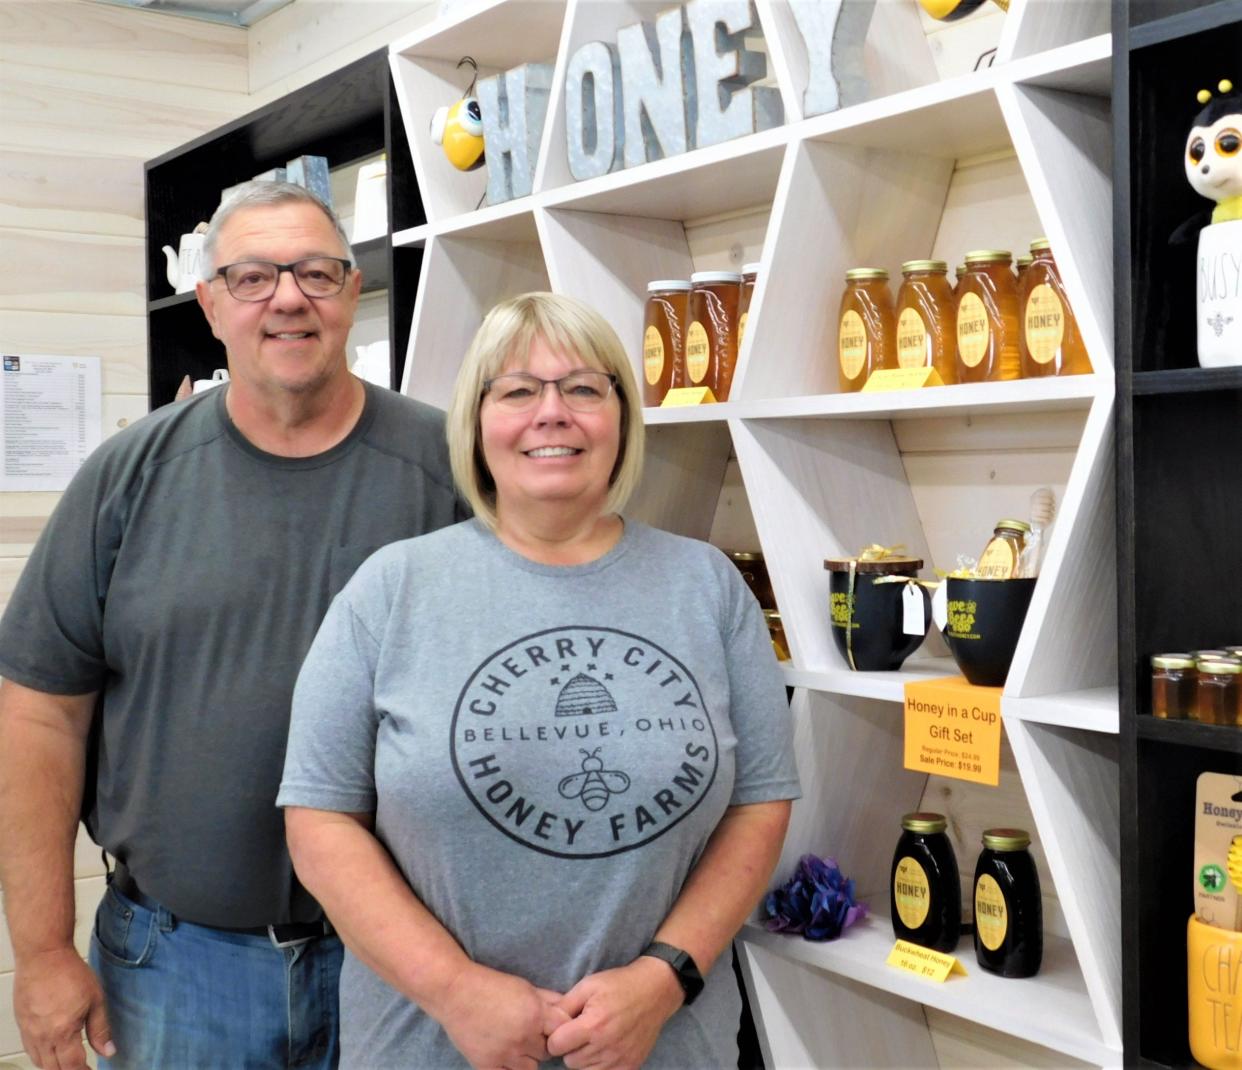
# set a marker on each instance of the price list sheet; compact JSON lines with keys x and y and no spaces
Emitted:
{"x":50,"y":413}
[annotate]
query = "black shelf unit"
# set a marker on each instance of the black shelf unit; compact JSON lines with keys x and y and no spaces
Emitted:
{"x":345,"y":116}
{"x":1179,"y":495}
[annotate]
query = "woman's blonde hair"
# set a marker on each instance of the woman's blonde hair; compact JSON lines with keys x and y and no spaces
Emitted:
{"x":509,"y":330}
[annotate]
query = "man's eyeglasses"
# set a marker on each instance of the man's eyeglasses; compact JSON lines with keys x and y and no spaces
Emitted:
{"x":584,"y":390}
{"x":256,"y":280}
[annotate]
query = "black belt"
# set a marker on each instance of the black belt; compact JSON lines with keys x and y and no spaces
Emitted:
{"x":287,"y":935}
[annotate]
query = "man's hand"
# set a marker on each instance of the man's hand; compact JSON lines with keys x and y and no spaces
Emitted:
{"x":55,"y":997}
{"x":497,"y":1020}
{"x":616,"y":1016}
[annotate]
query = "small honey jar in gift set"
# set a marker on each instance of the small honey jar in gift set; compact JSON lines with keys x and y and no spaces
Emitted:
{"x":987,"y":319}
{"x":664,"y":336}
{"x":926,"y":337}
{"x":866,"y":334}
{"x":711,"y":338}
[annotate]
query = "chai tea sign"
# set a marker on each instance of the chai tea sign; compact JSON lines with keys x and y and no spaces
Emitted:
{"x":686,"y":80}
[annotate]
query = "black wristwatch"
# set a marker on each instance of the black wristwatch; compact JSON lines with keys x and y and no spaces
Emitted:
{"x":684,"y":966}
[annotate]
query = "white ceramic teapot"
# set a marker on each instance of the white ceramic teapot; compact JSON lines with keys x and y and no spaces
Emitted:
{"x":184,"y":264}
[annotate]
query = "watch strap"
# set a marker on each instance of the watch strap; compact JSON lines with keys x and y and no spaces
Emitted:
{"x":684,"y":966}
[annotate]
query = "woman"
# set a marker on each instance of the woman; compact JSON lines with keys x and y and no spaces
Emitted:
{"x":540,"y":762}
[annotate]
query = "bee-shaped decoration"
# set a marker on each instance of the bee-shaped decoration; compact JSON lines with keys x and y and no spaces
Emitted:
{"x":1213,"y":165}
{"x":595,"y":784}
{"x":1214,"y":152}
{"x":458,"y":128}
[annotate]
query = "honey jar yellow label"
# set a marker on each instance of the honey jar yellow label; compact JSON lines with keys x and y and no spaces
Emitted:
{"x":852,"y":344}
{"x":991,"y":917}
{"x":911,"y":339}
{"x":998,"y":561}
{"x":653,"y":355}
{"x":698,"y":352}
{"x":973,"y":330}
{"x":911,"y":892}
{"x":1044,"y":323}
{"x":741,"y":329}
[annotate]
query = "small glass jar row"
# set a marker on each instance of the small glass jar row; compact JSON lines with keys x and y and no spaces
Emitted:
{"x":992,"y":325}
{"x":1205,"y":685}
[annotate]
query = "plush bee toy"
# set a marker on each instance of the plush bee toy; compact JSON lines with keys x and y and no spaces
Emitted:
{"x":458,"y":130}
{"x":1213,"y":158}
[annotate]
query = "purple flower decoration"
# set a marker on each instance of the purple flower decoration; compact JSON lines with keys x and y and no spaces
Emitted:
{"x":817,"y":901}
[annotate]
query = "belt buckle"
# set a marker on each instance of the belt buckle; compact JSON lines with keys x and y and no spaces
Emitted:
{"x":281,"y":945}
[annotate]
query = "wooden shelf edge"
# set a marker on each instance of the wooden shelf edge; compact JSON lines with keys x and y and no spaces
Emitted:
{"x":885,"y":686}
{"x":1065,"y":1020}
{"x":1183,"y":24}
{"x":1190,"y":733}
{"x":1187,"y":380}
{"x":1094,"y":710}
{"x":171,"y":301}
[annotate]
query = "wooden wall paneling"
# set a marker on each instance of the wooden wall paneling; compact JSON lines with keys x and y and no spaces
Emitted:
{"x":76,"y":273}
{"x":733,"y":526}
{"x":966,"y":44}
{"x":1071,"y":782}
{"x":1036,"y":25}
{"x":468,"y":276}
{"x":682,"y":477}
{"x":304,"y":41}
{"x":71,"y":191}
{"x":73,"y":35}
{"x":819,"y":489}
{"x":119,"y":342}
{"x":813,"y":1018}
{"x":1064,"y":143}
{"x":726,"y":242}
{"x":45,"y":109}
{"x":837,"y":207}
{"x":988,"y":207}
{"x":1070,"y":639}
{"x":23,"y":519}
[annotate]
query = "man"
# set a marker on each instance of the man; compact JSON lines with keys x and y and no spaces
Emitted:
{"x":149,"y":655}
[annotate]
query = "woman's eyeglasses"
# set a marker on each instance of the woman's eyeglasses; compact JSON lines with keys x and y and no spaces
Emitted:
{"x":584,"y":390}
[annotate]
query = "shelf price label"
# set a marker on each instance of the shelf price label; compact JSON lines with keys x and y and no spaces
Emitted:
{"x":886,"y":379}
{"x":953,"y":729}
{"x":924,"y":962}
{"x":688,"y":395}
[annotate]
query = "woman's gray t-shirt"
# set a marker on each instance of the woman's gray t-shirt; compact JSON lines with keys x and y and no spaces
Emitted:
{"x":547,"y":750}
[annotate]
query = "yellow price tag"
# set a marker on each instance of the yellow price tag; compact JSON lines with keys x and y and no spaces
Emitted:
{"x":901,"y":379}
{"x":953,"y":729}
{"x":688,"y":395}
{"x":923,"y":962}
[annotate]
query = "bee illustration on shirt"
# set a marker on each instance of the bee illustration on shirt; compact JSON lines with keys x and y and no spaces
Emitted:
{"x":595,"y":784}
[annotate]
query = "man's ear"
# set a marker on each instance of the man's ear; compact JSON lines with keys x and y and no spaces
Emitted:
{"x":207,"y":302}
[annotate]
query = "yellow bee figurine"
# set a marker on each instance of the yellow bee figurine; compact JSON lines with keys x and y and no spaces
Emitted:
{"x":459,"y":131}
{"x":1214,"y":151}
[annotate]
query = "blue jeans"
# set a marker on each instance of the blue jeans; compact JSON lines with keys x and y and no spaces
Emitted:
{"x":185,"y":997}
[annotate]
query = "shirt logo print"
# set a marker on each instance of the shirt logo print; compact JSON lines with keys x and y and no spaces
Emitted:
{"x":583,"y":742}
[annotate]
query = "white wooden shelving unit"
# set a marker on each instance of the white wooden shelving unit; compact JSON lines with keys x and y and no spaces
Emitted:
{"x":942,"y":159}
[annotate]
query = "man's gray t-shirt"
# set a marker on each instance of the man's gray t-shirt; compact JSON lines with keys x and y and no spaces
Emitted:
{"x":183,"y":575}
{"x":547,"y":750}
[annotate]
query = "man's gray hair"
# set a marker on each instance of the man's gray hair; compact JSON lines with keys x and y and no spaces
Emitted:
{"x":259,"y":194}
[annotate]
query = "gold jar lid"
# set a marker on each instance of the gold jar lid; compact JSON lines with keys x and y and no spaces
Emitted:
{"x":1172,"y":661}
{"x":1006,"y":839}
{"x":1024,"y":261}
{"x":981,"y":256}
{"x":859,"y":274}
{"x":1213,"y":653}
{"x":924,"y":822}
{"x":1219,"y":666}
{"x":744,"y":555}
{"x":924,"y":265}
{"x":1040,"y":243}
{"x":960,"y":270}
{"x":1020,"y":526}
{"x":772,"y":616}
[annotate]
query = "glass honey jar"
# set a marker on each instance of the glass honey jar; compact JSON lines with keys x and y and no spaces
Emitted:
{"x":924,"y":884}
{"x":1220,"y":690}
{"x":664,"y":336}
{"x":925,"y":319}
{"x":1174,"y":686}
{"x":711,"y":337}
{"x":750,"y":272}
{"x":999,"y":560}
{"x":866,"y":334}
{"x":958,"y":272}
{"x":1049,"y":342}
{"x":1009,"y":909}
{"x":776,"y":631}
{"x":987,"y":319}
{"x":1019,"y":267}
